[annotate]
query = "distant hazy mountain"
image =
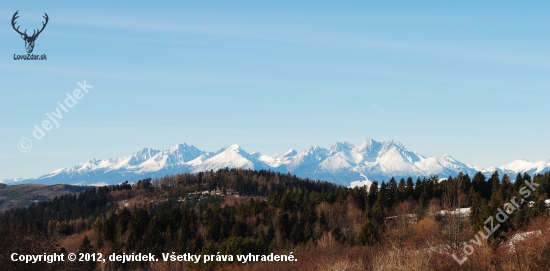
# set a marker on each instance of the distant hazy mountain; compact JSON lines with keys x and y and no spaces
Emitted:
{"x":342,"y":163}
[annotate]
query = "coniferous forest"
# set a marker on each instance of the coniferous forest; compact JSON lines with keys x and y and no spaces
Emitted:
{"x":496,"y":223}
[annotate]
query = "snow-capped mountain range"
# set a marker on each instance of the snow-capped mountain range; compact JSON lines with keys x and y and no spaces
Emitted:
{"x":342,"y":163}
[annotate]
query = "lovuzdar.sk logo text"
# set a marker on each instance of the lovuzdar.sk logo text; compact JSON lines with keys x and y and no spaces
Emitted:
{"x":29,"y":40}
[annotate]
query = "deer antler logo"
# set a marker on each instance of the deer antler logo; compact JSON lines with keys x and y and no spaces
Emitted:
{"x":29,"y":41}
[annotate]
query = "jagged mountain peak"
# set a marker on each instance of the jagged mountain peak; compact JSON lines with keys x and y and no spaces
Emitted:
{"x":447,"y":157}
{"x":234,"y":148}
{"x":314,"y":152}
{"x":179,"y":147}
{"x":141,"y":156}
{"x":145,"y":151}
{"x":341,"y":146}
{"x":369,"y":148}
{"x":393,"y":144}
{"x":290,"y":152}
{"x":341,"y":163}
{"x":369,"y":142}
{"x":523,"y":165}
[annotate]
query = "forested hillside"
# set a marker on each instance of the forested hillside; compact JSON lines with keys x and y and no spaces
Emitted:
{"x":13,"y":196}
{"x":413,"y":224}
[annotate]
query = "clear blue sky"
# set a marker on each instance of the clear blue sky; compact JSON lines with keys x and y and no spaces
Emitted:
{"x":470,"y":79}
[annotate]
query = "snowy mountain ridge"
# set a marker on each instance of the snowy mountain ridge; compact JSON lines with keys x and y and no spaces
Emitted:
{"x":342,"y":163}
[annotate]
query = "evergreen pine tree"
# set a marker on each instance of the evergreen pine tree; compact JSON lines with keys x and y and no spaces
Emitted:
{"x":369,"y":235}
{"x":86,"y":248}
{"x":373,"y":193}
{"x":418,"y":189}
{"x":409,"y":189}
{"x":479,"y":185}
{"x":383,"y":196}
{"x":401,"y":191}
{"x":391,"y":192}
